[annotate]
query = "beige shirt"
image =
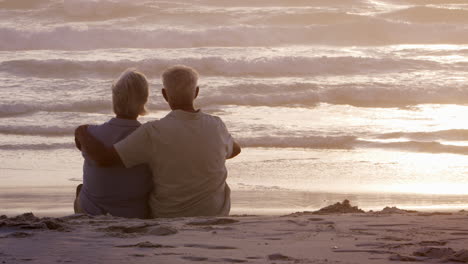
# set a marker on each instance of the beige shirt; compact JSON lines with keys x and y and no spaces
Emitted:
{"x":187,"y":154}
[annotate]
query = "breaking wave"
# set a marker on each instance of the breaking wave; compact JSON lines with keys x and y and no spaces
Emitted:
{"x":316,"y":142}
{"x":36,"y":130}
{"x":450,"y":134}
{"x":92,"y":9}
{"x":23,"y":4}
{"x":431,"y":15}
{"x":418,"y":146}
{"x":87,"y":106}
{"x":294,"y":95}
{"x":350,"y":142}
{"x":278,"y":66}
{"x":371,"y":32}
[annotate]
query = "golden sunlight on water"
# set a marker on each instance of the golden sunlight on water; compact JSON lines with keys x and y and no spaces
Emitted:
{"x":449,"y":116}
{"x":431,"y":174}
{"x":435,"y":188}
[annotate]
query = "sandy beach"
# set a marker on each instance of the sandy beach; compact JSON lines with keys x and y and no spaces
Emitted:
{"x":340,"y":233}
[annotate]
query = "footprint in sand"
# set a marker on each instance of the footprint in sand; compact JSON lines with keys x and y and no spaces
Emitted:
{"x":432,"y":252}
{"x":459,"y":234}
{"x":145,"y":244}
{"x":314,"y":219}
{"x":168,"y":254}
{"x":392,"y":238}
{"x":162,"y":231}
{"x":222,"y":260}
{"x":231,"y":260}
{"x":299,"y":223}
{"x":280,"y":257}
{"x":217,"y":221}
{"x":208,"y":246}
{"x":384,"y":245}
{"x":401,"y":258}
{"x":432,"y":243}
{"x":371,"y":251}
{"x":126,"y":229}
{"x":429,"y":254}
{"x":362,"y":231}
{"x":137,"y":255}
{"x":211,"y":228}
{"x":18,"y":235}
{"x":145,"y":229}
{"x":387,"y":225}
{"x":326,"y":223}
{"x":192,"y":258}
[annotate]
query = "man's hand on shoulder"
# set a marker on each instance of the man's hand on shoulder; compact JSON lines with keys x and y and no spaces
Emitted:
{"x":78,"y":134}
{"x":104,"y":156}
{"x":236,"y":150}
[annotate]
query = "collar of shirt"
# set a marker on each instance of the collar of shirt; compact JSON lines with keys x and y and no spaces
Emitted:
{"x":184,"y":115}
{"x":124,"y":122}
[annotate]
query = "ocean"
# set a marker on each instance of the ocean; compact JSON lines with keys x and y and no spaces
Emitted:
{"x":330,"y":99}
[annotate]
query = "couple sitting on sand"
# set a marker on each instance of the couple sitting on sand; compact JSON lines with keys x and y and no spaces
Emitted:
{"x":172,"y":167}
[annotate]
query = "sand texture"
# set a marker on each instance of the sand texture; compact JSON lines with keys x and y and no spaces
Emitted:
{"x":340,"y":233}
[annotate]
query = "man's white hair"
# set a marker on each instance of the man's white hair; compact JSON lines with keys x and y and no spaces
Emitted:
{"x":180,"y":83}
{"x":130,"y":94}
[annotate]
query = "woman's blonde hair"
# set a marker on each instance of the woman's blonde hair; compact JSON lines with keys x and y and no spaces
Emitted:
{"x":130,"y":94}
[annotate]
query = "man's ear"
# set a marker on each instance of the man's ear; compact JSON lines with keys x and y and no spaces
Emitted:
{"x":196,"y":92}
{"x":165,"y":95}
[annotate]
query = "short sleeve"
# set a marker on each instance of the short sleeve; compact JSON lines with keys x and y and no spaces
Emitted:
{"x":136,"y":148}
{"x":226,"y":137}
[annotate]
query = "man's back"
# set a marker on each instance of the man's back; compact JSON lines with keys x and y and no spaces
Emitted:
{"x":187,"y":157}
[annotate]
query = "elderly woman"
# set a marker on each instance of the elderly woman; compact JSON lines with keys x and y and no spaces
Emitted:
{"x":117,"y":191}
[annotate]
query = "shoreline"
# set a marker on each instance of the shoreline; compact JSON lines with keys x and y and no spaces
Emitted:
{"x":57,"y":201}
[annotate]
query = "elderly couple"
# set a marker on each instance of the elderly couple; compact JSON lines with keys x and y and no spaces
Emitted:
{"x":172,"y":167}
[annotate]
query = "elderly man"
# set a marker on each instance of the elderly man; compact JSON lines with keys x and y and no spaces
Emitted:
{"x":186,"y":151}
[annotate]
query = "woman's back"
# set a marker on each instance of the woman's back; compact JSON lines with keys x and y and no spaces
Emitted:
{"x":115,"y":190}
